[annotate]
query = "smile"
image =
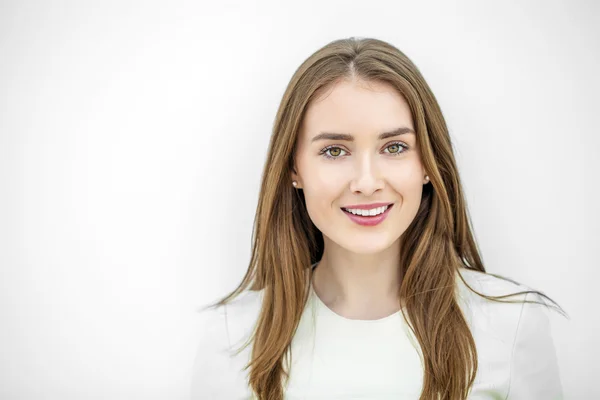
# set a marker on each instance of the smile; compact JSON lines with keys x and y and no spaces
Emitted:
{"x":368,"y":217}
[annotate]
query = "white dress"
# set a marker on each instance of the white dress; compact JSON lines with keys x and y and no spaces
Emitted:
{"x":334,"y":357}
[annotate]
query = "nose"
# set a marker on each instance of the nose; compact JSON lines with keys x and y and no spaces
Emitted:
{"x":367,"y":178}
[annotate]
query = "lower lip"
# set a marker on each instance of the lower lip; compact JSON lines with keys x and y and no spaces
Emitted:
{"x":368,"y":221}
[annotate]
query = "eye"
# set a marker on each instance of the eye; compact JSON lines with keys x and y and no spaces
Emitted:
{"x":399,"y":146}
{"x":333,"y":152}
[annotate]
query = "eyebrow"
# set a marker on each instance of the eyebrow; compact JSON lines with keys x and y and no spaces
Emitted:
{"x":346,"y":136}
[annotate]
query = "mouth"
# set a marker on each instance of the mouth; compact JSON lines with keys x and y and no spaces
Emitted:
{"x":361,"y":213}
{"x":369,"y":220}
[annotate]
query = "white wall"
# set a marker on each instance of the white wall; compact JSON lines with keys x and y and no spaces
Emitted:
{"x":132,"y":139}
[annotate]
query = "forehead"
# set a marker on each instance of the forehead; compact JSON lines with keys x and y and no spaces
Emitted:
{"x":357,"y":107}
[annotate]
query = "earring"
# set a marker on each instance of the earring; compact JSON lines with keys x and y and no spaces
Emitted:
{"x":426,"y":178}
{"x":294,"y":183}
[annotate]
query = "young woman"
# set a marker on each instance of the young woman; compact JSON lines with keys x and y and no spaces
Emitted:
{"x":365,"y":280}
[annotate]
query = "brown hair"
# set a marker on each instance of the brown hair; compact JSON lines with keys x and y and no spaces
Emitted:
{"x":438,"y":241}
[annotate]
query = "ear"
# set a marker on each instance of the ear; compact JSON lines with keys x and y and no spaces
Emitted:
{"x":294,"y":177}
{"x":426,"y":178}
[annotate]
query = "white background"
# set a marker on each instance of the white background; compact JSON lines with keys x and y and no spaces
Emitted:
{"x":133,"y":136}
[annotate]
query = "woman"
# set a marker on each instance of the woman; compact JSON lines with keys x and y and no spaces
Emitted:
{"x":365,"y":280}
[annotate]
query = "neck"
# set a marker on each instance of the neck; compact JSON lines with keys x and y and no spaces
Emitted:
{"x":359,"y":285}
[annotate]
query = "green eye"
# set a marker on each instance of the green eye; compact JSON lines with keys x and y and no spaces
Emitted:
{"x":399,"y":146}
{"x":334,"y":151}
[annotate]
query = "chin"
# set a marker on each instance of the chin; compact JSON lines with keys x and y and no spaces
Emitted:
{"x":370,"y":246}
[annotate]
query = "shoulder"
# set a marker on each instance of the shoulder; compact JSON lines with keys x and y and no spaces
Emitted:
{"x":522,"y":296}
{"x":502,"y":315}
{"x":488,"y":285}
{"x":230,"y":320}
{"x":211,"y":358}
{"x":242,"y":315}
{"x":217,"y":370}
{"x":517,"y":335}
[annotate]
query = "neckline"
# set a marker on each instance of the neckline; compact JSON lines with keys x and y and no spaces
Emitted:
{"x":328,"y":311}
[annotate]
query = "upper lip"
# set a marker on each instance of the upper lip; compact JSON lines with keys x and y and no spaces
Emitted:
{"x":367,"y":206}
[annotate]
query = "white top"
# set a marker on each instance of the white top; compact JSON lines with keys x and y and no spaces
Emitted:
{"x":334,"y":357}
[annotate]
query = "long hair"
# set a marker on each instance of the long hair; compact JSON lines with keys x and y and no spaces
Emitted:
{"x":285,"y":242}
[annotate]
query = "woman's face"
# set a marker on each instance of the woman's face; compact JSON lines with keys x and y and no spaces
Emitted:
{"x":361,"y":168}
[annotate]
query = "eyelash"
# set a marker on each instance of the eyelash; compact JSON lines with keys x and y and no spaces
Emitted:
{"x":324,"y":151}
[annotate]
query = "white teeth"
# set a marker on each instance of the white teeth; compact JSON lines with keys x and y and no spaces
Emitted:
{"x":369,"y":213}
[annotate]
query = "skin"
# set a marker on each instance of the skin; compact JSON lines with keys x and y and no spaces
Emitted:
{"x":358,"y":276}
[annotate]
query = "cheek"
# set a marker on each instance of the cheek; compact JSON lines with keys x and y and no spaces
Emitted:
{"x":324,"y":186}
{"x":407,"y":181}
{"x":322,"y":195}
